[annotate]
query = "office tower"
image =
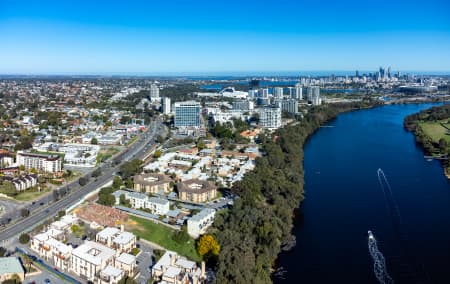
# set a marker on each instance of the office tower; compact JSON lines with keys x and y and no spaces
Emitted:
{"x":187,"y":114}
{"x":154,"y":92}
{"x":252,"y":94}
{"x":270,"y":117}
{"x":254,"y":84}
{"x":287,"y":105}
{"x":165,"y":105}
{"x":278,"y":92}
{"x":296,"y":92}
{"x":263,"y":93}
{"x":263,"y":101}
{"x":242,"y":105}
{"x":389,"y":72}
{"x":314,"y":95}
{"x":357,"y":74}
{"x":290,"y":106}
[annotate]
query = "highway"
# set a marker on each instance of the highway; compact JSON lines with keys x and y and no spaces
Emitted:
{"x":136,"y":150}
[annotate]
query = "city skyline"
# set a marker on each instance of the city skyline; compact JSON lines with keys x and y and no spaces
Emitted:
{"x":230,"y":38}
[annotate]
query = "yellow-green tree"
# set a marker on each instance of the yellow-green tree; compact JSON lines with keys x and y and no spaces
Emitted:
{"x":208,"y":245}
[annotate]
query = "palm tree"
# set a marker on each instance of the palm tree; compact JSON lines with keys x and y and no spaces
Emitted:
{"x":27,"y":261}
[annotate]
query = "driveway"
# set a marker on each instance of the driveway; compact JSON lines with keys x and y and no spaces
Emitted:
{"x":145,"y":262}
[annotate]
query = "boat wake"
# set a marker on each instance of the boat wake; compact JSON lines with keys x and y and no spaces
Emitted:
{"x":379,"y":263}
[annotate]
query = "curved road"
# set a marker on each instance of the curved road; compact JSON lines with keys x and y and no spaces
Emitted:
{"x":44,"y":212}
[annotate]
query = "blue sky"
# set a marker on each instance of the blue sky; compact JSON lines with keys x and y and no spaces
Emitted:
{"x":201,"y":37}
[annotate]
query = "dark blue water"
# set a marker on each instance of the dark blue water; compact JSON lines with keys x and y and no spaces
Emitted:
{"x":344,"y":200}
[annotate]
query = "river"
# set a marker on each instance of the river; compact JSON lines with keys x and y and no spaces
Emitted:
{"x":344,"y":200}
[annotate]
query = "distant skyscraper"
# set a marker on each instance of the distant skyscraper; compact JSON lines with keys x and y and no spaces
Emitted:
{"x":242,"y":105}
{"x":278,"y":92}
{"x":357,"y":74}
{"x":263,"y":93}
{"x":154,"y":92}
{"x":314,"y":95}
{"x":288,"y":105}
{"x":187,"y":114}
{"x":252,"y":93}
{"x":254,"y":84}
{"x":165,"y":105}
{"x":296,"y":92}
{"x":389,"y":72}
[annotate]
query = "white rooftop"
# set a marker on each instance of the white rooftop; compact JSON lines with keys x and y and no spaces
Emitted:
{"x":172,"y":272}
{"x":93,"y":252}
{"x":62,"y":248}
{"x":41,"y":237}
{"x":69,"y":219}
{"x":184,"y":263}
{"x":59,"y":224}
{"x":124,"y":238}
{"x":126,"y":258}
{"x":112,"y":271}
{"x":108,"y":232}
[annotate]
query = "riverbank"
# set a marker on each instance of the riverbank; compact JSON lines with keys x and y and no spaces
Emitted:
{"x":344,"y":200}
{"x":431,"y":128}
{"x":253,"y":231}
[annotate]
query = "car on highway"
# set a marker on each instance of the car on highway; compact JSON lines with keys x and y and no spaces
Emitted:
{"x":47,"y":281}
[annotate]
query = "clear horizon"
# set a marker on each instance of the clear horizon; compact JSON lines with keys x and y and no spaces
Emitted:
{"x":204,"y":37}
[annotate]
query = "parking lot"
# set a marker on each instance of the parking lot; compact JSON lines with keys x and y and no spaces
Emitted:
{"x":42,"y":277}
{"x":144,"y":262}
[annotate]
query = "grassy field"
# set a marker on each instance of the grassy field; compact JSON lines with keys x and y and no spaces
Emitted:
{"x":435,"y":130}
{"x":162,"y":236}
{"x":106,"y":153}
{"x":31,"y":195}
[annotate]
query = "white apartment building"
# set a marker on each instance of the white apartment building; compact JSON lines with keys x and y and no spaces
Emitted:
{"x":90,"y":258}
{"x":154,"y":92}
{"x":43,"y":162}
{"x":174,"y":269}
{"x":111,"y":275}
{"x":270,"y":117}
{"x":138,"y":200}
{"x":23,"y":182}
{"x":127,"y":263}
{"x":200,"y":222}
{"x":51,"y":249}
{"x":75,"y":154}
{"x":296,"y":92}
{"x":277,"y":92}
{"x":117,"y":239}
{"x":314,"y":95}
{"x":289,"y":105}
{"x":165,"y":105}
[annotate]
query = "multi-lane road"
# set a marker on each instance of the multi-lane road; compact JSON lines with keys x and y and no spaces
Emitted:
{"x":40,"y":212}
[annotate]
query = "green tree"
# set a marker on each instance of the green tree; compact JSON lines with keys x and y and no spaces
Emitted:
{"x":443,"y":147}
{"x":24,"y":212}
{"x":201,"y":144}
{"x":83,"y":180}
{"x":181,"y":236}
{"x":24,"y":238}
{"x":94,"y":141}
{"x":117,"y":182}
{"x":130,"y":168}
{"x":2,"y":251}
